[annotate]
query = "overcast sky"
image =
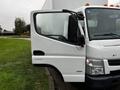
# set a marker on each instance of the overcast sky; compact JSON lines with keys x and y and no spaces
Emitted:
{"x":114,"y":1}
{"x":10,"y":9}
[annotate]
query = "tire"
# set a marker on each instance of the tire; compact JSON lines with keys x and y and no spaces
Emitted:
{"x":59,"y":83}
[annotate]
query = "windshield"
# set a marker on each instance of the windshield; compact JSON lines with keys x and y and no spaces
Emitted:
{"x":103,"y":23}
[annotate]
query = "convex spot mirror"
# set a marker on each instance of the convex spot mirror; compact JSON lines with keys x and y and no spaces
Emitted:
{"x":80,"y":16}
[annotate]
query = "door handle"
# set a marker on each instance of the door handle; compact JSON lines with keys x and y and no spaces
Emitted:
{"x":38,"y":53}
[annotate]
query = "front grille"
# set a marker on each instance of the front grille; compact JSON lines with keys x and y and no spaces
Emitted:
{"x":114,"y":62}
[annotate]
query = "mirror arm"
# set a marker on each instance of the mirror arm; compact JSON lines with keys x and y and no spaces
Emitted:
{"x":69,"y":11}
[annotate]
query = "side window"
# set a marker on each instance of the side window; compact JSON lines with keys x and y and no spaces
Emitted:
{"x":53,"y":25}
{"x":59,"y":26}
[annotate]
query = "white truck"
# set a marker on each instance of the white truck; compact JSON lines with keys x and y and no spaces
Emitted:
{"x":81,"y":43}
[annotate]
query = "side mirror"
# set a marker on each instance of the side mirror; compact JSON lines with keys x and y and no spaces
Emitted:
{"x":81,"y":40}
{"x":80,"y":16}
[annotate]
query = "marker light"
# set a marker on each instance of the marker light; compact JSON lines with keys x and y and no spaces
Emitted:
{"x":117,"y":6}
{"x":105,"y":5}
{"x":87,"y":4}
{"x":111,"y":5}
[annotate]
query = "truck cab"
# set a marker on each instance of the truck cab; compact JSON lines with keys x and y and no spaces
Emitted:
{"x":83,"y":45}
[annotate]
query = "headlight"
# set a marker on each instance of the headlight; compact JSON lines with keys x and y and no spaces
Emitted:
{"x":94,"y":67}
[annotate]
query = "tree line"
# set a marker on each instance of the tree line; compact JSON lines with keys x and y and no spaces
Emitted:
{"x":21,"y":28}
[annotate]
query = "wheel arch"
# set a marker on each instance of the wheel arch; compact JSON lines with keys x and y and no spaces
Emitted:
{"x":50,"y":66}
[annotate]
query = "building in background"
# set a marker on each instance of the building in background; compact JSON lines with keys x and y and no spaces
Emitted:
{"x":6,"y":32}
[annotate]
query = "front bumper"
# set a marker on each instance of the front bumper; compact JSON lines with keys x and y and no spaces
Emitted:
{"x":105,"y":81}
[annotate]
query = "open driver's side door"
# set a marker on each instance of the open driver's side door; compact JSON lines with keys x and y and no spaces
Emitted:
{"x":54,"y":36}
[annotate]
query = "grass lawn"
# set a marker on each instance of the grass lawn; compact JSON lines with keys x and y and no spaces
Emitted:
{"x":16,"y":70}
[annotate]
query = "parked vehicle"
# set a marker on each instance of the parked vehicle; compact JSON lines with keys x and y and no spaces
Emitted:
{"x":81,"y":45}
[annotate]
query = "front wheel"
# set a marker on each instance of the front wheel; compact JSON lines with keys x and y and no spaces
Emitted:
{"x":59,"y":83}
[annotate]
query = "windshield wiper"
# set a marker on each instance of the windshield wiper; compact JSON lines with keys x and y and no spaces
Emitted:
{"x":108,"y":34}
